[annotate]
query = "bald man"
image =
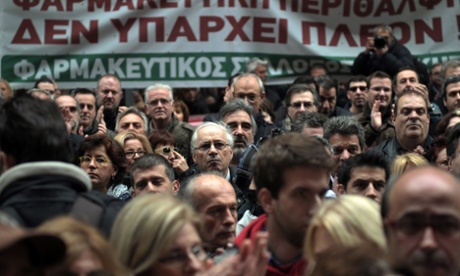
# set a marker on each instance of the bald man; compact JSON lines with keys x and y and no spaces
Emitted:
{"x":214,"y":198}
{"x":421,"y":216}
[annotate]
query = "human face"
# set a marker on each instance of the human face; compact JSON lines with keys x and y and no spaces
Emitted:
{"x":261,"y":71}
{"x":109,"y":93}
{"x":452,"y":99}
{"x":153,"y":180}
{"x":328,"y":98}
{"x":380,"y":90}
{"x":133,"y":150}
{"x":167,"y":151}
{"x":216,"y":205}
{"x":405,"y":80}
{"x":185,"y":257}
{"x":451,"y":71}
{"x":87,"y":109}
{"x":240,"y":125}
{"x":69,"y":110}
{"x":160,"y":105}
{"x":300,"y":103}
{"x":367,"y":181}
{"x":442,"y":160}
{"x":207,"y":156}
{"x":313,"y":131}
{"x":412,"y":120}
{"x":131,"y":122}
{"x":435,"y":75}
{"x":358,"y":97}
{"x":422,"y":225}
{"x":302,"y":191}
{"x":5,"y":90}
{"x":247,"y":88}
{"x":97,"y":164}
{"x":47,"y":86}
{"x":178,"y":114}
{"x":385,"y":34}
{"x":344,"y":147}
{"x":454,"y":163}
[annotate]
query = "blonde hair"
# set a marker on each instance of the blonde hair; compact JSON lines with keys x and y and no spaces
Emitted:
{"x":125,"y":136}
{"x":80,"y":237}
{"x":402,"y":161}
{"x":351,"y":220}
{"x":10,"y":93}
{"x":146,"y":228}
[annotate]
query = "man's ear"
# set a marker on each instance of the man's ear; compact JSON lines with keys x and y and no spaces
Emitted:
{"x":449,"y":163}
{"x":262,"y":95}
{"x":133,"y":193}
{"x":175,"y":187}
{"x":341,"y":189}
{"x":7,"y":161}
{"x":266,"y":200}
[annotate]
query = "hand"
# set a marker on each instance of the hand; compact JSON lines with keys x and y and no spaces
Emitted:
{"x":421,"y":88}
{"x":100,"y":114}
{"x":81,"y":131}
{"x":419,"y":150}
{"x":122,"y":109}
{"x":369,"y":45}
{"x":179,"y":163}
{"x":376,"y":116}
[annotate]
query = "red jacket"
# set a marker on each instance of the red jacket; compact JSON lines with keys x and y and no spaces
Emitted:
{"x":249,"y":232}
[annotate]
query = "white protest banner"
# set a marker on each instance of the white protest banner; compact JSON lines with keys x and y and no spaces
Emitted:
{"x":202,"y":43}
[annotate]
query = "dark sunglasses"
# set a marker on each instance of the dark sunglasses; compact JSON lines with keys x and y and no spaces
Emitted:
{"x":355,"y":88}
{"x":166,"y":150}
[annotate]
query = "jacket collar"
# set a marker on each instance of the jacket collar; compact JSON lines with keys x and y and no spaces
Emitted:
{"x":44,"y":168}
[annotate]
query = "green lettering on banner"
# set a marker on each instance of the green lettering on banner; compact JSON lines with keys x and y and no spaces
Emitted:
{"x":177,"y":67}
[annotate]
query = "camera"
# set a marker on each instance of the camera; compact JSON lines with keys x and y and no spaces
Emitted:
{"x":379,"y":42}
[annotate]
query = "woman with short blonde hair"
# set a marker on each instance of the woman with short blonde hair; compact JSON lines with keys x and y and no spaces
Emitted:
{"x":407,"y":161}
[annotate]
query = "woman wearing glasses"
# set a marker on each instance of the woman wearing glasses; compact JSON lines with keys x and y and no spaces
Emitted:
{"x":134,"y":146}
{"x":163,"y":144}
{"x":103,"y":159}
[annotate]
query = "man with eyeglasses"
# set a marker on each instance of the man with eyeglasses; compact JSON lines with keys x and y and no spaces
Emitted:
{"x":411,"y":121}
{"x":132,"y":119}
{"x":159,"y":100}
{"x":376,"y":116}
{"x":421,"y":217}
{"x":109,"y":95}
{"x":237,"y":115}
{"x":70,"y":112}
{"x":357,"y":94}
{"x":250,"y":88}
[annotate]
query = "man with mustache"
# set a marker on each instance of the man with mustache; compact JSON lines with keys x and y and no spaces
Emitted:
{"x":214,"y":199}
{"x":411,"y":121}
{"x":376,"y":116}
{"x":237,"y":115}
{"x":109,"y":95}
{"x":421,"y":217}
{"x":357,"y":94}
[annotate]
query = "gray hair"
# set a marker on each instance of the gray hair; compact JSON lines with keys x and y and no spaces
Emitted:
{"x":383,"y":27}
{"x":344,"y":125}
{"x":235,"y":106}
{"x":155,"y":87}
{"x":309,"y":119}
{"x":219,"y":125}
{"x":133,"y":110}
{"x":253,"y":63}
{"x":453,"y":63}
{"x":259,"y":81}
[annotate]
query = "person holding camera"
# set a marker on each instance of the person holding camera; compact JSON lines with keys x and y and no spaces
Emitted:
{"x":382,"y":53}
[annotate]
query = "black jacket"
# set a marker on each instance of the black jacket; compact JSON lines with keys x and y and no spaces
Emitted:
{"x":397,"y":56}
{"x":32,"y":193}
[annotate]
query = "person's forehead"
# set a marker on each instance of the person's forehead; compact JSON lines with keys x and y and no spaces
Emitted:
{"x":450,"y":71}
{"x":453,"y":86}
{"x":358,"y":83}
{"x":411,"y":100}
{"x":85,"y":98}
{"x":214,"y":189}
{"x":382,"y":32}
{"x":66,"y":100}
{"x":211,"y":133}
{"x":344,"y":140}
{"x":368,"y":173}
{"x":424,"y":189}
{"x":327,"y":92}
{"x":237,"y":116}
{"x":380,"y":82}
{"x":159,"y":93}
{"x":131,"y":117}
{"x":247,"y":84}
{"x":304,"y":95}
{"x":97,"y":151}
{"x":406,"y":74}
{"x":153,"y":171}
{"x":261,"y":67}
{"x":109,"y":81}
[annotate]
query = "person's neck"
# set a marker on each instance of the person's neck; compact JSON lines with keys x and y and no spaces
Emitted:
{"x":279,"y":246}
{"x":161,"y":124}
{"x":355,"y":110}
{"x":410,"y":144}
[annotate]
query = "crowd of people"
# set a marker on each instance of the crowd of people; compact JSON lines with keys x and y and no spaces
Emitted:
{"x":311,"y":178}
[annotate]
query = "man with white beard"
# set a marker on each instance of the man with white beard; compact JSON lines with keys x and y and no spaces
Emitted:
{"x":237,"y":116}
